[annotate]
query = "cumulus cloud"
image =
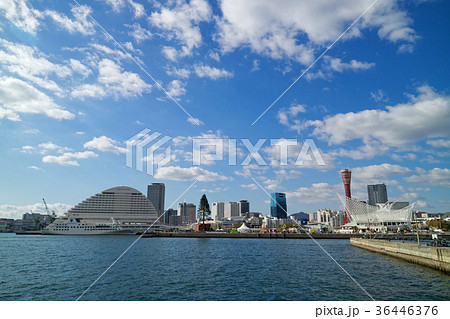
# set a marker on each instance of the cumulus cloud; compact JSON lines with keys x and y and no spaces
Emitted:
{"x":435,"y":177}
{"x":289,"y":117}
{"x":205,"y":71}
{"x":202,"y":71}
{"x":68,"y":159}
{"x":250,"y":186}
{"x":16,"y":212}
{"x":18,"y":97}
{"x":21,"y":15}
{"x":337,"y":65}
{"x":181,"y":22}
{"x":104,"y":144}
{"x":378,"y":172}
{"x":176,"y":88}
{"x":177,"y":173}
{"x":440,"y":143}
{"x":30,"y":64}
{"x":118,"y":5}
{"x":81,"y":22}
{"x":317,"y":193}
{"x":139,"y":33}
{"x":112,"y":81}
{"x":273,"y":28}
{"x":425,"y":116}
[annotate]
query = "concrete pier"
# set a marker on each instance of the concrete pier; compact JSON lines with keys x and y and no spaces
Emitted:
{"x":434,"y":257}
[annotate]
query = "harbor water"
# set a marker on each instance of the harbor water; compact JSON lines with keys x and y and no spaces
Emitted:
{"x":63,"y":267}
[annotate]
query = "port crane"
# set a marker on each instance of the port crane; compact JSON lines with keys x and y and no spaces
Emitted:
{"x":53,"y":215}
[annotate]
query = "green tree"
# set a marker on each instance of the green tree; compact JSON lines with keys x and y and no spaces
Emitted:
{"x":203,"y":208}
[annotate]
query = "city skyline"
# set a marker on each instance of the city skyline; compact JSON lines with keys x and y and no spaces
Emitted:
{"x":362,"y":103}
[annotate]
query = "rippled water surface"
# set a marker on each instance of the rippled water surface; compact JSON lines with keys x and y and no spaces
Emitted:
{"x":62,"y":267}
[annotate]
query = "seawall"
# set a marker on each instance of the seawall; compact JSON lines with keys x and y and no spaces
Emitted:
{"x":434,"y":257}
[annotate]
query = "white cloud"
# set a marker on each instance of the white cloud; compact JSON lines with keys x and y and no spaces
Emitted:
{"x":176,"y":88}
{"x":118,"y":5}
{"x":81,"y":22}
{"x":80,"y":68}
{"x":195,"y":121}
{"x":288,"y":117}
{"x":435,"y":177}
{"x":34,"y":168}
{"x":121,"y":83}
{"x":200,"y":70}
{"x":317,"y":193}
{"x":250,"y":186}
{"x":378,"y":172}
{"x":177,"y":173}
{"x":88,"y":90}
{"x":441,"y":143}
{"x":49,"y":146}
{"x":139,"y":33}
{"x":379,"y":96}
{"x":21,"y":15}
{"x":273,"y":28}
{"x":68,"y":159}
{"x":425,"y":116}
{"x":181,"y":22}
{"x":112,"y":80}
{"x":205,"y":71}
{"x":18,"y":97}
{"x":337,"y":65}
{"x":104,"y":144}
{"x":27,"y":149}
{"x":251,"y":170}
{"x":30,"y":64}
{"x":16,"y":212}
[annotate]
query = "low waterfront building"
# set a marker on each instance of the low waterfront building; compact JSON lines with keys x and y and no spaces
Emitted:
{"x":6,"y":224}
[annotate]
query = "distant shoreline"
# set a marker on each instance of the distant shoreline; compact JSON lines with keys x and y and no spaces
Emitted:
{"x":408,"y":237}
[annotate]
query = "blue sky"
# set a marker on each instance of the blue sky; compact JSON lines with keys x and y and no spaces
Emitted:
{"x":376,"y":102}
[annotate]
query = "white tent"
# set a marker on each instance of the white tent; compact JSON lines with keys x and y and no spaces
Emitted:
{"x":243,"y":229}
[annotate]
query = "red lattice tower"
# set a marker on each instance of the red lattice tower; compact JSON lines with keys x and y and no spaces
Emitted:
{"x":346,"y":178}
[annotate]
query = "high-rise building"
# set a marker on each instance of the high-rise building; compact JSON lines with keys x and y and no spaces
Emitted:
{"x":170,"y":212}
{"x":218,"y":211}
{"x":187,"y":211}
{"x":231,"y":210}
{"x":377,"y":194}
{"x":346,"y":178}
{"x":156,"y":193}
{"x":244,"y":207}
{"x":278,"y":207}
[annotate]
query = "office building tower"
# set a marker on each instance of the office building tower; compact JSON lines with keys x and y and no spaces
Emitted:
{"x":244,"y":207}
{"x":156,"y":193}
{"x":231,"y":210}
{"x":377,"y":194}
{"x":278,"y":207}
{"x":218,"y":211}
{"x":188,"y":213}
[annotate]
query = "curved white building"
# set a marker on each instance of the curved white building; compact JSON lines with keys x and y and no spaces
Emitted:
{"x":123,"y":206}
{"x":379,"y":216}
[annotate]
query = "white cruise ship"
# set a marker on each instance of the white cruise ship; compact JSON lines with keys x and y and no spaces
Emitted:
{"x":74,"y":226}
{"x":118,"y":210}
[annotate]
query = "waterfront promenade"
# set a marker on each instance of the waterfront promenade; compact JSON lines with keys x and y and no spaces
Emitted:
{"x":434,"y":257}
